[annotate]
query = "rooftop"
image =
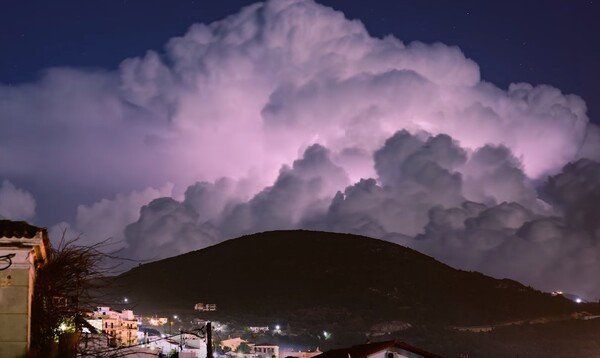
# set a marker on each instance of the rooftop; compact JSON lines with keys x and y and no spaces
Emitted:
{"x":365,"y":350}
{"x":18,"y":229}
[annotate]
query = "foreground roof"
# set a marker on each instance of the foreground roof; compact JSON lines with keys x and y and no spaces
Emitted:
{"x":18,"y":229}
{"x":365,"y":350}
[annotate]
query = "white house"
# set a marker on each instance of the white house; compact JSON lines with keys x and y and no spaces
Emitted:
{"x":265,"y":350}
{"x":120,"y":326}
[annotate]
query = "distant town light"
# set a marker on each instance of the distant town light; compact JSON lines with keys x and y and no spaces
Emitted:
{"x":277,"y":327}
{"x":578,"y":300}
{"x":175,"y":316}
{"x":125,"y":300}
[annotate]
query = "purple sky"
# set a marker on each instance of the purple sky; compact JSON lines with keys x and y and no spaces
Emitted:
{"x":291,"y":114}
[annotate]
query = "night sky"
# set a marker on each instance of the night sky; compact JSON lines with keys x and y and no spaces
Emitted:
{"x":467,"y":130}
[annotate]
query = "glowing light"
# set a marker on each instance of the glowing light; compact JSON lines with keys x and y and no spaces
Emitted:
{"x":277,"y":327}
{"x":578,"y":300}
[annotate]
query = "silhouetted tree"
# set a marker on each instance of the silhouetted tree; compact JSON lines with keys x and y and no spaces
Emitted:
{"x":66,"y":285}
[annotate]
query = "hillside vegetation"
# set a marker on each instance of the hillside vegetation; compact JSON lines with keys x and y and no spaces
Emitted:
{"x":358,"y":288}
{"x":319,"y":278}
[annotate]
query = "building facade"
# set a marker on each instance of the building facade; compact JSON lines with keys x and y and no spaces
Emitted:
{"x":265,"y":350}
{"x":23,"y":248}
{"x":120,"y":327}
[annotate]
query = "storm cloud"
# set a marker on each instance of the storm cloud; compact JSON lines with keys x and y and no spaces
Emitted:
{"x":15,"y":203}
{"x":288,"y":115}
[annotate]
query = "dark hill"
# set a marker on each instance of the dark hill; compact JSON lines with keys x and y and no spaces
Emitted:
{"x":316,"y":277}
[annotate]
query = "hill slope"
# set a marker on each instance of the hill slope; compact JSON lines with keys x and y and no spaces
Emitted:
{"x":316,"y":277}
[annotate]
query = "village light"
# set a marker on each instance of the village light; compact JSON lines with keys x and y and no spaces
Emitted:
{"x":277,"y":327}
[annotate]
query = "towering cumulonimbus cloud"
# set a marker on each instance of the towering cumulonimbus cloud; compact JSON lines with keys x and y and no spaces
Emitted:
{"x":289,"y":115}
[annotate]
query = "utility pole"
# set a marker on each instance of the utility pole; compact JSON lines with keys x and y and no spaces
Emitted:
{"x":209,"y":348}
{"x":180,"y":340}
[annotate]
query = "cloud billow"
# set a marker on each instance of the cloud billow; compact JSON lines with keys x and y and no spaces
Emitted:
{"x":15,"y":203}
{"x":289,"y":115}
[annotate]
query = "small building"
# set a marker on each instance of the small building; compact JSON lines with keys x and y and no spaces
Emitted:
{"x":157,"y":321}
{"x":232,"y":343}
{"x":120,"y":326}
{"x":23,"y":248}
{"x":205,"y":307}
{"x":258,"y":329}
{"x":387,"y":349}
{"x":265,"y":350}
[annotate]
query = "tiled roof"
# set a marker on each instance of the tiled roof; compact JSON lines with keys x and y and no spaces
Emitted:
{"x":364,"y":350}
{"x":18,"y":229}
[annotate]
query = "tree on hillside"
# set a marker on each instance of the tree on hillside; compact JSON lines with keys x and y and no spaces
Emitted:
{"x":243,"y":348}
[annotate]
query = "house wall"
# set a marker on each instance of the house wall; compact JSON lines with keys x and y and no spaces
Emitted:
{"x":15,"y":303}
{"x":122,"y":326}
{"x":232,"y":343}
{"x":266,"y":351}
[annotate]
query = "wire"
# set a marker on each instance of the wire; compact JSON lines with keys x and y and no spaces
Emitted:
{"x":8,"y":259}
